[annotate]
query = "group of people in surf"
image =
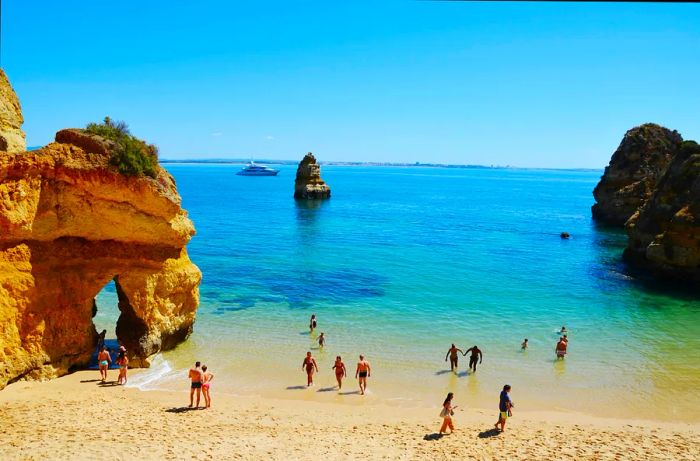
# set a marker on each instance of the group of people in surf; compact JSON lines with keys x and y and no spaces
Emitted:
{"x":309,"y":365}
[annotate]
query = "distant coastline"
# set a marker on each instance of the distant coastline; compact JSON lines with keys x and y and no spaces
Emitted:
{"x":383,"y":164}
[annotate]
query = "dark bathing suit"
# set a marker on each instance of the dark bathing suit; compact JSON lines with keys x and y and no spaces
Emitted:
{"x":196,"y":385}
{"x":363,"y":374}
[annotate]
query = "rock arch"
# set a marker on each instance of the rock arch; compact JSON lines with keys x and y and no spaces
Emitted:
{"x":68,"y":225}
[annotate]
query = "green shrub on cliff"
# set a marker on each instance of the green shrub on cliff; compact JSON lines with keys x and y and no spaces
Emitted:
{"x":132,"y":156}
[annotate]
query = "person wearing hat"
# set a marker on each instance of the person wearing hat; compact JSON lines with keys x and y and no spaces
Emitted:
{"x":123,"y":362}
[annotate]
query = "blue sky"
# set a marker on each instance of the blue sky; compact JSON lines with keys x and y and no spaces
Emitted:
{"x":523,"y":84}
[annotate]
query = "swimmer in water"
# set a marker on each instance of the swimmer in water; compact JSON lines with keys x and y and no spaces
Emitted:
{"x":523,"y":346}
{"x":312,"y":323}
{"x":454,"y":357}
{"x":563,"y":330}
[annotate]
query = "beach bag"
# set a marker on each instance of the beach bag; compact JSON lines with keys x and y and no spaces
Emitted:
{"x":444,"y":413}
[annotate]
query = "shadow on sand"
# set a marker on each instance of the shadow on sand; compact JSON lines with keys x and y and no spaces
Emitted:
{"x":90,"y":380}
{"x":349,"y":393}
{"x":108,"y":384}
{"x":443,"y":372}
{"x":183,"y":409}
{"x":296,"y":388}
{"x":433,"y":436}
{"x":490,"y":433}
{"x":327,"y":389}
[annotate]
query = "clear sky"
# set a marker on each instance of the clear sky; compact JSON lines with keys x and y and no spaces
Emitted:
{"x":523,"y":84}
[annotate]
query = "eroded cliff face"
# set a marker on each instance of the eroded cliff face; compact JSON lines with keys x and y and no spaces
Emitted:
{"x":308,"y":183}
{"x":69,"y":223}
{"x":631,"y":176}
{"x":11,"y":119}
{"x":664,"y":234}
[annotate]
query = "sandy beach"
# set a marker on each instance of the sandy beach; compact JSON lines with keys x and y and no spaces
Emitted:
{"x":77,"y":417}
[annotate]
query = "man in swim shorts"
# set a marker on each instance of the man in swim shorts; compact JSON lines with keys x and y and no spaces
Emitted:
{"x":103,"y":361}
{"x":504,"y":406}
{"x":476,"y":356}
{"x":454,"y":357}
{"x":196,"y":376}
{"x":560,"y":349}
{"x":363,"y":371}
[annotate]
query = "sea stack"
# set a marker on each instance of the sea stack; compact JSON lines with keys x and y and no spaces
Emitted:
{"x":308,"y":183}
{"x":11,"y":119}
{"x":664,"y":235}
{"x":70,"y":222}
{"x":631,"y":176}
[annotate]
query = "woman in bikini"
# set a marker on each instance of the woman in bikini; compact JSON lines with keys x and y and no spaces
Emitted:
{"x":340,"y":371}
{"x":206,"y":384}
{"x":309,"y":365}
{"x":312,"y":323}
{"x":123,"y":362}
{"x":104,"y":359}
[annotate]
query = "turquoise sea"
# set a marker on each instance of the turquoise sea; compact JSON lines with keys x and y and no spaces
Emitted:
{"x":400,"y":263}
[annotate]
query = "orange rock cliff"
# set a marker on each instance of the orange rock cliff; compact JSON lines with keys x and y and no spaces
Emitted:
{"x":70,"y":223}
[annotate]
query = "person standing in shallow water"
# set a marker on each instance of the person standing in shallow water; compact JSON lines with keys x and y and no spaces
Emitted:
{"x":476,"y":356}
{"x":560,"y":348}
{"x":321,"y":340}
{"x":309,"y":365}
{"x":312,"y":323}
{"x":504,"y":407}
{"x":363,"y":372}
{"x":340,"y":371}
{"x":447,"y":413}
{"x":206,"y":386}
{"x":195,"y":375}
{"x":523,"y":346}
{"x":454,"y":357}
{"x":103,"y":361}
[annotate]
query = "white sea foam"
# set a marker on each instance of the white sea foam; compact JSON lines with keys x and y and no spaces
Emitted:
{"x":153,"y":378}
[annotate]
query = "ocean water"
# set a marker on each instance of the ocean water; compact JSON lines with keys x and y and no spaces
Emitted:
{"x":402,"y":262}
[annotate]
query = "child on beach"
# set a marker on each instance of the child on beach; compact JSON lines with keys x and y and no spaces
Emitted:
{"x":207,"y":377}
{"x":321,"y":340}
{"x":446,"y":414}
{"x":504,"y":406}
{"x":524,"y":344}
{"x":340,"y":371}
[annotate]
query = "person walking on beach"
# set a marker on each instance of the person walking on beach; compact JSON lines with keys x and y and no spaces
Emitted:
{"x":340,"y":371}
{"x":560,"y":349}
{"x":454,"y":357}
{"x":207,"y":377}
{"x":123,"y":362}
{"x":476,"y":356}
{"x":321,"y":340}
{"x":196,"y":376}
{"x":309,"y":365}
{"x":504,"y":406}
{"x":523,"y":346}
{"x":363,"y":371}
{"x":447,"y":413}
{"x":312,"y":323}
{"x":103,"y":361}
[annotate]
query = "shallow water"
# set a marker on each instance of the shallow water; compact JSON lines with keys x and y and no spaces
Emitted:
{"x":400,"y":263}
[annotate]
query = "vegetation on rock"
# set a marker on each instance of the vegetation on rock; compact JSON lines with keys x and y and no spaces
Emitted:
{"x":133,"y":156}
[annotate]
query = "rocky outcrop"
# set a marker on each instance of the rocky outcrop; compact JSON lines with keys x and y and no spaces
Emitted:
{"x":308,"y":183}
{"x":630,"y":178}
{"x":664,"y":234}
{"x":11,"y":119}
{"x":70,"y":223}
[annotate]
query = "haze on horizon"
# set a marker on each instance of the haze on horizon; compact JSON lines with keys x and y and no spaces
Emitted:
{"x":522,"y":84}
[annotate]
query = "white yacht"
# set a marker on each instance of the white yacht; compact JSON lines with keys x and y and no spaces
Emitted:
{"x":252,"y":169}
